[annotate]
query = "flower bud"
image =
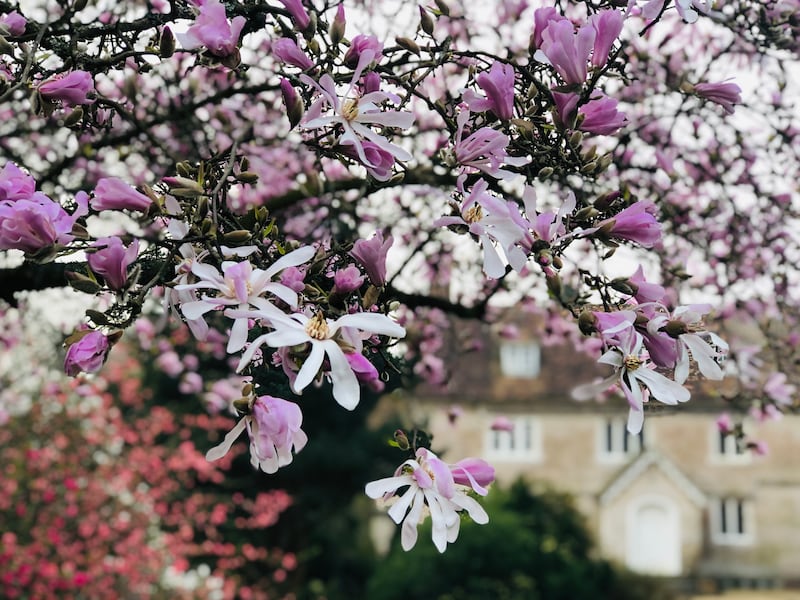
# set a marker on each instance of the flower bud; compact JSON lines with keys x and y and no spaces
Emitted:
{"x":425,"y":21}
{"x":401,"y":439}
{"x":166,"y":45}
{"x":408,"y":44}
{"x":86,"y":354}
{"x":336,"y":30}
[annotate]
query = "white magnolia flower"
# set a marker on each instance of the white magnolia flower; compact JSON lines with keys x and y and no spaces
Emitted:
{"x":321,"y":334}
{"x":240,"y":285}
{"x":430,"y":485}
{"x":635,"y":375}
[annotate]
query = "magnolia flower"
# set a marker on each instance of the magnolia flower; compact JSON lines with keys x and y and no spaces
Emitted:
{"x":372,"y":256}
{"x":686,"y":327}
{"x":273,"y":426}
{"x":31,"y":225}
{"x":724,"y":94}
{"x":16,"y":184}
{"x":87,"y":354}
{"x":607,"y":25}
{"x":634,"y":375}
{"x":71,"y":89}
{"x":240,"y":285}
{"x":287,"y":50}
{"x":498,"y":85}
{"x":323,"y":337}
{"x":212,"y":30}
{"x":112,"y":259}
{"x":298,"y":12}
{"x":431,"y":484}
{"x":636,"y":223}
{"x":565,"y":50}
{"x":600,"y":115}
{"x":489,"y":219}
{"x":13,"y":23}
{"x":112,"y":193}
{"x":355,"y":113}
{"x":484,"y":150}
{"x":360,"y":44}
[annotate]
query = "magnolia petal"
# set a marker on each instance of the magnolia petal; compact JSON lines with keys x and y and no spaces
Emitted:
{"x":703,"y":354}
{"x":346,"y":390}
{"x":370,"y":323}
{"x":663,"y":389}
{"x":378,"y":488}
{"x":398,"y":510}
{"x":408,"y":532}
{"x":310,"y":367}
{"x":221,"y":450}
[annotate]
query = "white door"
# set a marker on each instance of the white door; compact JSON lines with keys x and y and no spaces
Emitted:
{"x":654,"y":537}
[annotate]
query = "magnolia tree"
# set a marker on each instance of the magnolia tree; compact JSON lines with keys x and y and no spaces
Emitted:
{"x":304,"y":178}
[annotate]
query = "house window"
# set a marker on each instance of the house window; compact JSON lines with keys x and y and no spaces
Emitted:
{"x":522,"y":443}
{"x":726,"y":449}
{"x":731,"y":521}
{"x":520,"y":359}
{"x":616,"y":443}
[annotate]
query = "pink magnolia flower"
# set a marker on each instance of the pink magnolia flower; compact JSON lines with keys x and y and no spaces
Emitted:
{"x":297,"y":12}
{"x":71,"y":89}
{"x":474,"y":473}
{"x":644,"y":291}
{"x":637,"y":223}
{"x":212,"y":30}
{"x":348,"y":279}
{"x":372,"y":256}
{"x":286,"y":50}
{"x":431,"y":484}
{"x":273,"y":426}
{"x":484,"y":150}
{"x":87,"y":354}
{"x":112,"y":193}
{"x":607,"y":25}
{"x":112,"y":259}
{"x":379,"y":162}
{"x":634,"y":375}
{"x":13,"y":23}
{"x":355,"y":113}
{"x":567,"y":51}
{"x":778,"y":390}
{"x":600,"y":115}
{"x":321,"y":335}
{"x":31,"y":225}
{"x":542,"y":17}
{"x":498,"y":85}
{"x":724,"y":94}
{"x":360,"y":44}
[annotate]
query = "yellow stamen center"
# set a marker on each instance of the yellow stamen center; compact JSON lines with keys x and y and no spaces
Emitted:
{"x":474,"y":214}
{"x":317,"y":327}
{"x":350,"y":109}
{"x":633,"y":362}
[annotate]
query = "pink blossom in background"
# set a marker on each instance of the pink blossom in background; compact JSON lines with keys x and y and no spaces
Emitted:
{"x":70,"y":89}
{"x":502,"y":423}
{"x":213,"y":30}
{"x":112,"y":259}
{"x":372,"y":256}
{"x":542,"y":17}
{"x":725,"y":94}
{"x":273,"y":426}
{"x":498,"y":85}
{"x":112,"y":193}
{"x":87,"y":354}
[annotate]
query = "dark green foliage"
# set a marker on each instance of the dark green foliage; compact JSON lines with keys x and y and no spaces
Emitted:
{"x":535,"y":547}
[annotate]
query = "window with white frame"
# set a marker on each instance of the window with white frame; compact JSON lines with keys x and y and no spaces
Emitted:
{"x":616,"y":443}
{"x":727,"y":449}
{"x":731,"y":521}
{"x":520,"y":359}
{"x":522,"y":442}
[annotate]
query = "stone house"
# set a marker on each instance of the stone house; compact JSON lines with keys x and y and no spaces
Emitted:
{"x":679,"y":500}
